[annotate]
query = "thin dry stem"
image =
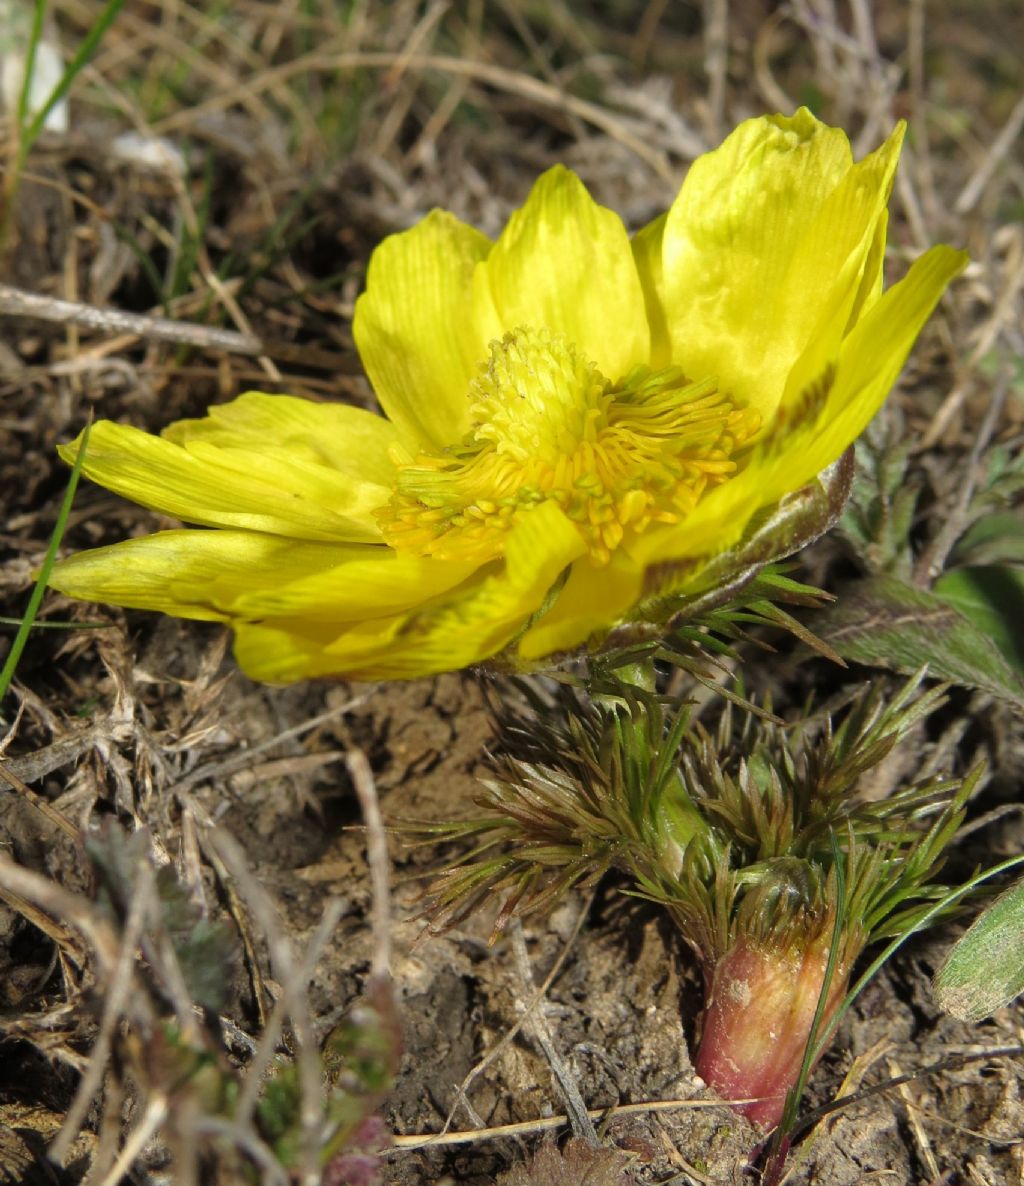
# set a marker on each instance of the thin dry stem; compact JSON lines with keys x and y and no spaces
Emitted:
{"x":58,"y":903}
{"x":16,"y":302}
{"x":378,"y":860}
{"x":415,"y":1141}
{"x":512,"y":81}
{"x":294,"y":976}
{"x":508,"y":1036}
{"x":150,"y":1123}
{"x":932,"y":559}
{"x":581,"y":1124}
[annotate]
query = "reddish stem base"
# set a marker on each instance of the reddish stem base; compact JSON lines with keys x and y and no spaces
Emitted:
{"x":757,"y":1022}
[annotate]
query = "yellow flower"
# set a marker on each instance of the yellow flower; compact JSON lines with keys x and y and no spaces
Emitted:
{"x":575,"y":422}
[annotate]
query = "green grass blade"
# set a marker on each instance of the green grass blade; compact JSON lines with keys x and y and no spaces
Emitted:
{"x":839,"y":933}
{"x":894,"y":945}
{"x":5,"y":621}
{"x":82,"y":55}
{"x":782,"y":1137}
{"x":7,"y":674}
{"x":34,"y":38}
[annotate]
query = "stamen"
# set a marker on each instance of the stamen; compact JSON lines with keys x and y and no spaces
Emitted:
{"x":546,"y":424}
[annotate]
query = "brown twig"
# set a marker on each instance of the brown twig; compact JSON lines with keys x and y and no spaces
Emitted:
{"x":15,"y":302}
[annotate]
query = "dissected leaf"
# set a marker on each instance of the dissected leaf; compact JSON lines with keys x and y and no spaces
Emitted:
{"x":205,"y":949}
{"x":884,"y":622}
{"x":577,"y":1165}
{"x":991,"y":596}
{"x":360,"y":1058}
{"x":877,"y":520}
{"x":985,"y":969}
{"x":993,"y":539}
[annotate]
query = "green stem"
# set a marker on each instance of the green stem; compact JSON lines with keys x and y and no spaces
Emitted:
{"x":680,"y":821}
{"x":671,"y":818}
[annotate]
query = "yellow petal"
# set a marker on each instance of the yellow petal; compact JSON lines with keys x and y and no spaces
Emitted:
{"x":592,"y":601}
{"x":350,"y":440}
{"x":192,"y":574}
{"x":730,"y":242}
{"x":837,"y":264}
{"x":647,"y":254}
{"x":870,"y":360}
{"x":238,"y":576}
{"x":564,"y":264}
{"x":415,"y":329}
{"x":258,"y":487}
{"x":365,"y":583}
{"x":451,"y":632}
{"x":873,"y":276}
{"x":800,"y":444}
{"x":284,"y":651}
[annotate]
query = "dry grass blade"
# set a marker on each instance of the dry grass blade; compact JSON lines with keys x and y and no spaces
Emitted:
{"x":511,"y":81}
{"x":244,"y":760}
{"x":55,"y":903}
{"x":148,"y":1126}
{"x":527,"y":1011}
{"x":292,"y":1005}
{"x":39,"y":918}
{"x":415,"y":1141}
{"x":997,"y":152}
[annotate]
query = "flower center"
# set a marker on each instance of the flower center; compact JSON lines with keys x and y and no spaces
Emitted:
{"x":546,"y":424}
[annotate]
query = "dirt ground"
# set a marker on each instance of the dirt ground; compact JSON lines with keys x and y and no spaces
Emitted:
{"x":306,"y":133}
